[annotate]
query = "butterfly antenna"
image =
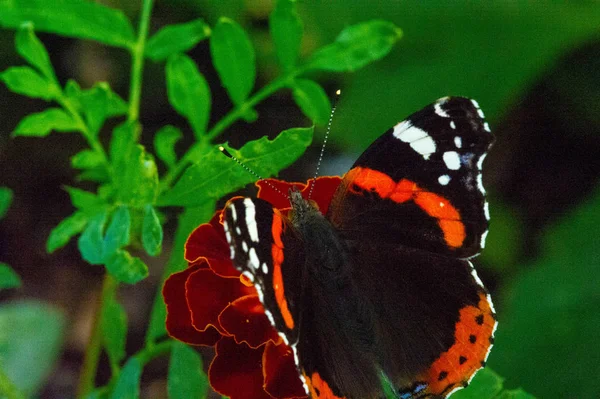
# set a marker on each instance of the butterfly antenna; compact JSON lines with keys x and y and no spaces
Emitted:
{"x":312,"y":186}
{"x":247,"y":169}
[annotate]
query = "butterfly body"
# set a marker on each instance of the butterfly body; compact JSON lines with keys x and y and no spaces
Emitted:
{"x":378,"y":289}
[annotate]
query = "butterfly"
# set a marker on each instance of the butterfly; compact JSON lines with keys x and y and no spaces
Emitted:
{"x":378,"y":294}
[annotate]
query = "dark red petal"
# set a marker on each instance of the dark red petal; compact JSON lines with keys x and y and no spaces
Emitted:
{"x":245,"y":319}
{"x":208,"y":295}
{"x":179,"y":318}
{"x":266,"y":192}
{"x":322,"y":194}
{"x":325,"y":187}
{"x":282,"y":380}
{"x":237,"y":372}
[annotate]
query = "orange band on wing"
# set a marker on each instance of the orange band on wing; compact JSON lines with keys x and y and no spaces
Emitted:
{"x":434,"y":205}
{"x":277,"y":255}
{"x":319,"y":388}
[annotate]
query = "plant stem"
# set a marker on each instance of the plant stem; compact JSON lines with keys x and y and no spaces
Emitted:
{"x":137,"y":66}
{"x":92,"y":352}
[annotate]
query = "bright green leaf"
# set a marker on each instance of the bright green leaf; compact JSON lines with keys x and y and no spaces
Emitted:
{"x":118,"y":231}
{"x":91,"y":241}
{"x":66,"y":229}
{"x":128,"y":384}
{"x":8,"y":277}
{"x":33,"y":51}
{"x":114,"y":330}
{"x":80,"y":19}
{"x":99,"y":393}
{"x":152,"y":232}
{"x":186,"y":377}
{"x":26,"y":81}
{"x":177,"y":38}
{"x":286,"y":29}
{"x":188,"y":92}
{"x":312,"y":100}
{"x":164,"y":144}
{"x":42,"y":123}
{"x":124,"y":138}
{"x":216,"y":175}
{"x":84,"y":200}
{"x":357,"y":46}
{"x":31,"y":336}
{"x":86,"y":159}
{"x":233,"y":57}
{"x":139,"y":180}
{"x":126,"y":268}
{"x":6,"y":197}
{"x":100,"y":103}
{"x":488,"y":385}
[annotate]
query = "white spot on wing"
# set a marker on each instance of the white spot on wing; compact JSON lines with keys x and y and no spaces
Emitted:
{"x":270,"y":317}
{"x":407,"y":133}
{"x":253,"y":258}
{"x":259,"y":292}
{"x":486,"y":210}
{"x":283,"y":337}
{"x":458,"y":142}
{"x":480,"y":183}
{"x":440,"y":111}
{"x":444,"y":180}
{"x":233,"y":212}
{"x":486,"y":127}
{"x":483,"y":237}
{"x":265,"y":268}
{"x":475,"y":104}
{"x":480,"y":161}
{"x":228,"y":236}
{"x":425,"y":146}
{"x":452,"y":125}
{"x":244,"y":246}
{"x":452,"y":160}
{"x":248,"y":275}
{"x":476,"y":277}
{"x":251,"y":219}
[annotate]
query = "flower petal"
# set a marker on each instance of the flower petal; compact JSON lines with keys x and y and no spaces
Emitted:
{"x":266,"y":191}
{"x":325,"y":187}
{"x":246,"y":320}
{"x":179,"y":318}
{"x":208,"y":295}
{"x":236,"y":371}
{"x":282,"y":380}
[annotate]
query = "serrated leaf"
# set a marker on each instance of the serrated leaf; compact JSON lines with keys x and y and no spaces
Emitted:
{"x":31,"y":336}
{"x":8,"y":277}
{"x":286,"y":30}
{"x":100,"y":103}
{"x":26,"y":81}
{"x":152,"y":232}
{"x":233,"y":57}
{"x":114,"y":330}
{"x":312,"y":100}
{"x":139,"y":180}
{"x":164,"y":144}
{"x":186,"y":377}
{"x":81,"y":19}
{"x":177,"y":38}
{"x":488,"y":385}
{"x":33,"y":51}
{"x":66,"y":229}
{"x":91,"y":241}
{"x":357,"y":46}
{"x":86,"y":159}
{"x":128,"y":384}
{"x":42,"y":123}
{"x":118,"y":231}
{"x":126,"y":268}
{"x":6,"y":197}
{"x":216,"y":175}
{"x":188,"y":92}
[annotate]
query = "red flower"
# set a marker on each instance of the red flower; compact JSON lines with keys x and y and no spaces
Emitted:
{"x":211,"y":304}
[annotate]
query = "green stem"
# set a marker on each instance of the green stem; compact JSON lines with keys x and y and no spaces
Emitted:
{"x":8,"y":389}
{"x":92,"y":352}
{"x":137,"y":66}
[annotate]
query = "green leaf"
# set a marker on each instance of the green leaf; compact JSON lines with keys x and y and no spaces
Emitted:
{"x":66,"y":229}
{"x":152,"y":232}
{"x":357,"y":46}
{"x":488,"y":385}
{"x":8,"y":277}
{"x":177,"y":38}
{"x":139,"y":181}
{"x":91,"y":241}
{"x":26,"y":81}
{"x":123,"y":140}
{"x":544,"y":344}
{"x":114,"y":330}
{"x":100,"y":103}
{"x":84,"y":200}
{"x":42,"y":123}
{"x":312,"y":100}
{"x":33,"y":51}
{"x":118,"y":231}
{"x":86,"y":159}
{"x":216,"y":175}
{"x":128,"y":384}
{"x":186,"y":377}
{"x":233,"y":57}
{"x":188,"y":92}
{"x":286,"y":29}
{"x":6,"y":197}
{"x":31,"y":336}
{"x":81,"y":19}
{"x":99,"y":393}
{"x":164,"y":144}
{"x":126,"y":268}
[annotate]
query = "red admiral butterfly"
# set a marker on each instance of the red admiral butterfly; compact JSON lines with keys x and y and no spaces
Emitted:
{"x":379,"y":289}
